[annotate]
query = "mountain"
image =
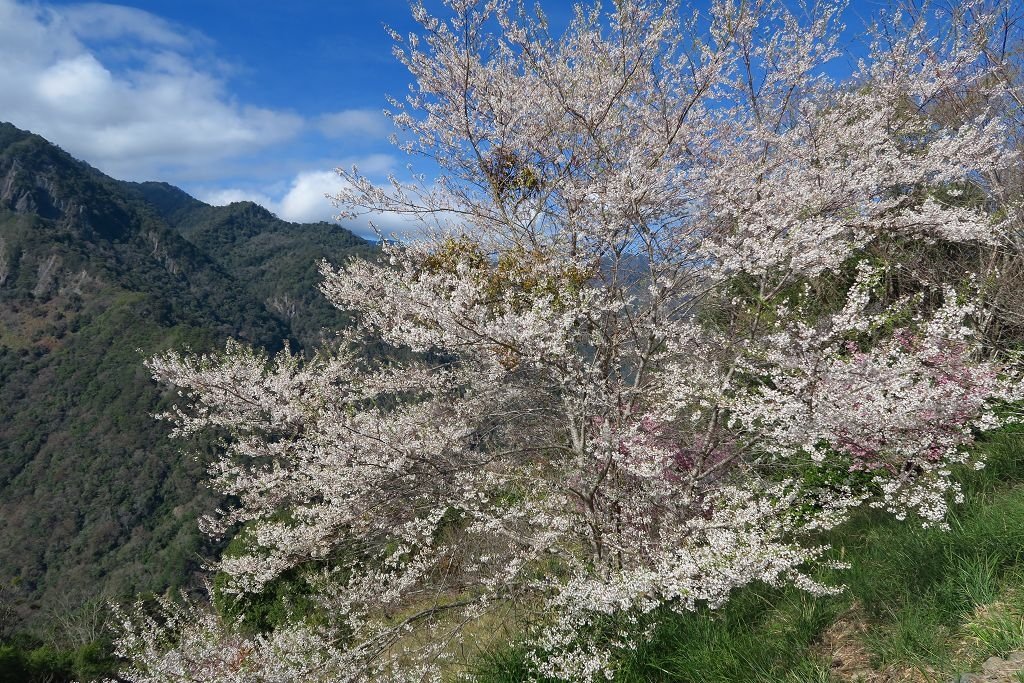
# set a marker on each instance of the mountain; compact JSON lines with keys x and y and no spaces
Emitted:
{"x":276,"y":259}
{"x":95,"y":276}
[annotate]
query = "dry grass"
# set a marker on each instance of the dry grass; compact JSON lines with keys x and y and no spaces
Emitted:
{"x":843,"y":645}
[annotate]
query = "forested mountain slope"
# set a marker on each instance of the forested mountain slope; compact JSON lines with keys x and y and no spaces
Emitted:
{"x":275,"y":259}
{"x":95,"y":276}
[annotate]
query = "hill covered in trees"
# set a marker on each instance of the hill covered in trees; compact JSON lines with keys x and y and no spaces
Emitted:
{"x":95,"y":276}
{"x":276,"y":260}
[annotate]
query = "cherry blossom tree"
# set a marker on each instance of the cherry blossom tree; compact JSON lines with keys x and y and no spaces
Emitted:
{"x":652,"y":344}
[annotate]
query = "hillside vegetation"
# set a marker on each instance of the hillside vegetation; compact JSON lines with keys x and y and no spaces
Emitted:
{"x":96,"y":275}
{"x":277,"y":261}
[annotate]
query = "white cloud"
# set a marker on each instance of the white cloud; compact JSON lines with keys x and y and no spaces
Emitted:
{"x":355,"y":123}
{"x":156,"y":115}
{"x":378,"y":165}
{"x":101,"y":21}
{"x":232,"y":195}
{"x":306,"y":199}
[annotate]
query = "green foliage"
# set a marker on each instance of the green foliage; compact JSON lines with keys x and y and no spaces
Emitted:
{"x":822,"y":482}
{"x":286,"y":596}
{"x":277,"y":605}
{"x":36,"y":663}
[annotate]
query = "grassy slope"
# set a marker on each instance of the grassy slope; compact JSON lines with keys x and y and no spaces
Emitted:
{"x":920,"y":605}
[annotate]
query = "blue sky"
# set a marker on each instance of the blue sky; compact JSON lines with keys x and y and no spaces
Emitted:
{"x":228,"y":99}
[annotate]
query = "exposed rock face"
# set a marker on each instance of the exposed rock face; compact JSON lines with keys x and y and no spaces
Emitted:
{"x":997,"y":670}
{"x":5,"y":262}
{"x":30,"y":193}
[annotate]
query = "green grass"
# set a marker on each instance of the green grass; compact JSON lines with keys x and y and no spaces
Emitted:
{"x":937,"y":602}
